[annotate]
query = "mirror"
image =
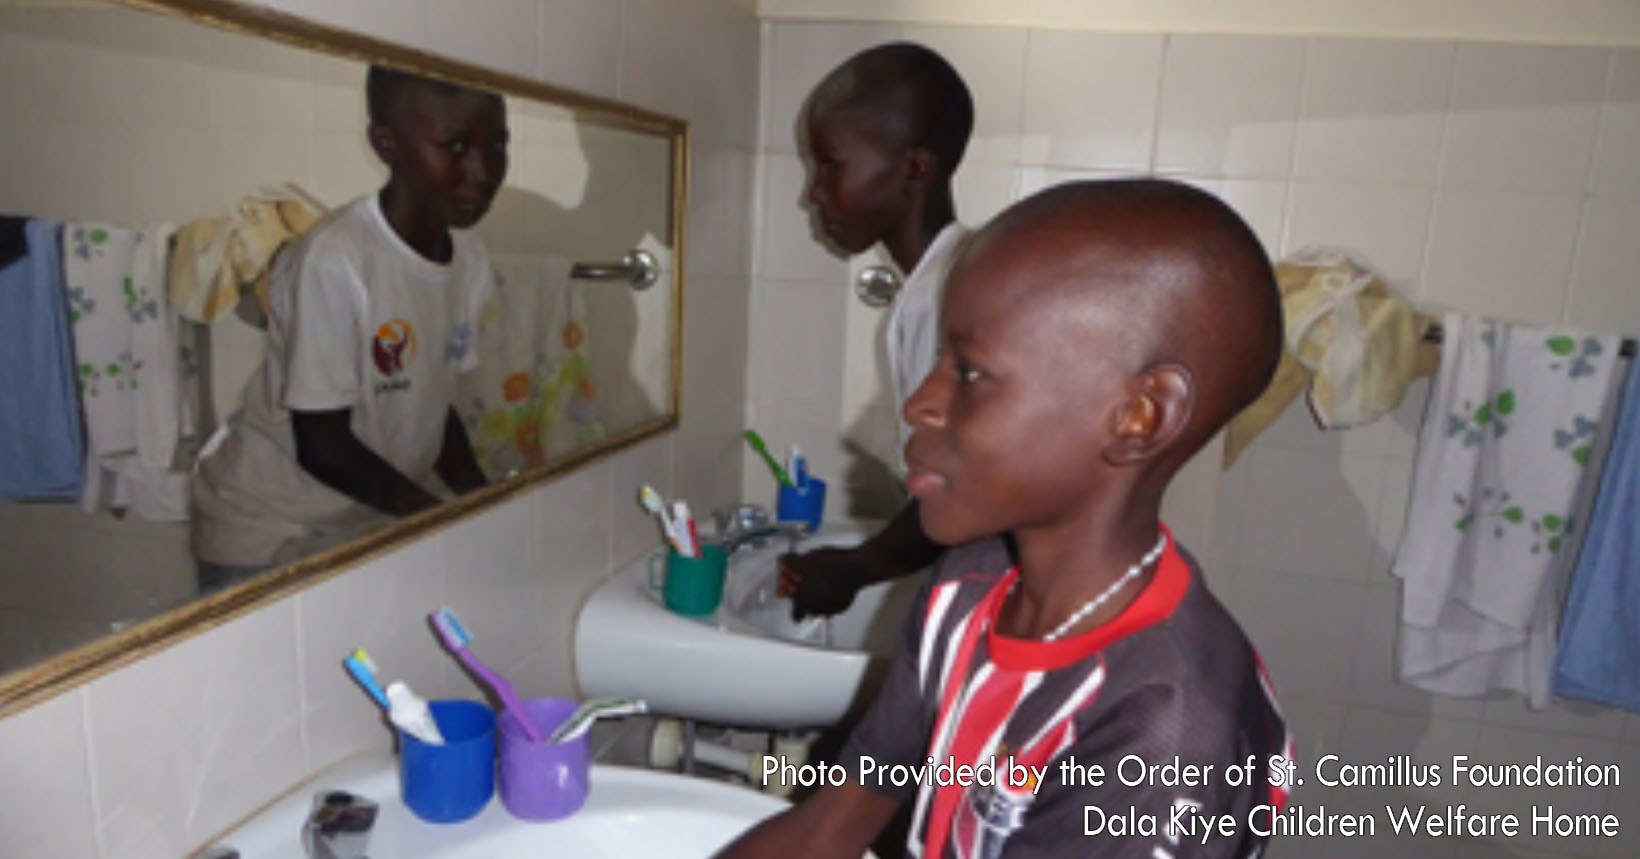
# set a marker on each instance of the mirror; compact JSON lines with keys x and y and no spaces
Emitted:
{"x":221,"y":119}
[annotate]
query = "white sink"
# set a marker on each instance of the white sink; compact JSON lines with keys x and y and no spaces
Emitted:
{"x":747,"y":665}
{"x":629,"y":812}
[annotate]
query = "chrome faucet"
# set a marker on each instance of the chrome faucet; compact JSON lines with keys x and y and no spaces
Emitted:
{"x":339,"y":826}
{"x":751,"y":525}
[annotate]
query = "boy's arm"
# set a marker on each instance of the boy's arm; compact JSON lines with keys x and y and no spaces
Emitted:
{"x":824,"y":581}
{"x":836,"y":821}
{"x":327,"y":449}
{"x":456,"y":464}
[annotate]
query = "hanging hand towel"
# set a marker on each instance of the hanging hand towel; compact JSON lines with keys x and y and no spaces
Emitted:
{"x":1349,"y":341}
{"x":104,"y":307}
{"x":1507,"y":435}
{"x":42,"y":448}
{"x":1599,"y":654}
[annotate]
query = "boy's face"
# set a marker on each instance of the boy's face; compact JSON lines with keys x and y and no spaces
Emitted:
{"x":1009,"y":427}
{"x":448,"y":152}
{"x":855,"y":181}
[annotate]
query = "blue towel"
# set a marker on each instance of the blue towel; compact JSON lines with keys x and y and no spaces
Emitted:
{"x":42,"y":448}
{"x":1599,"y":650}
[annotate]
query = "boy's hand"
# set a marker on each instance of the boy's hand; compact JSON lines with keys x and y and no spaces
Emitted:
{"x":821,"y":582}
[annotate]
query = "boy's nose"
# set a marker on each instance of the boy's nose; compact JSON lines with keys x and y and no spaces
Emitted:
{"x":924,"y":408}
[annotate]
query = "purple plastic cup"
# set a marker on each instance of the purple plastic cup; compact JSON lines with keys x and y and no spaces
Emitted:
{"x":542,"y":781}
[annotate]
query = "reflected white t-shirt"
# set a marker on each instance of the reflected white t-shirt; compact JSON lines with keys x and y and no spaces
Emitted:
{"x":914,"y":327}
{"x":358,"y":320}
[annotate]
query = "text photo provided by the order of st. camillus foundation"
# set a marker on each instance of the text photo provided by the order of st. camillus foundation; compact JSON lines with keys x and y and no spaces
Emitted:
{"x":1490,"y":810}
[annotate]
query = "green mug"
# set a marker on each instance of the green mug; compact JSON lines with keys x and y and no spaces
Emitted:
{"x":693,"y":586}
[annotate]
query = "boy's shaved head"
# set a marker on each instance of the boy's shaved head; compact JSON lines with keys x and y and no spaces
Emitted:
{"x":907,"y":92}
{"x":1189,"y":280}
{"x":387,"y":92}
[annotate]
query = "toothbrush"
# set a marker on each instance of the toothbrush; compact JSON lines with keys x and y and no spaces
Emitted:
{"x":653,"y":502}
{"x":456,"y":638}
{"x":756,"y":441}
{"x":581,"y":720}
{"x":363,"y":670}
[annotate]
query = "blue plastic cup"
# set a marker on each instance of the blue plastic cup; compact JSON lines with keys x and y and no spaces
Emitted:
{"x":452,"y":782}
{"x":803,"y":503}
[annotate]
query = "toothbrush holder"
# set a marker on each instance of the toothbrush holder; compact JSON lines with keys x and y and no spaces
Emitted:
{"x":452,"y":782}
{"x":805,"y":502}
{"x":543,"y":781}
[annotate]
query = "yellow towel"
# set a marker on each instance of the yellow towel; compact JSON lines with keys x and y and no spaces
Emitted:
{"x":214,"y":259}
{"x":1348,"y":339}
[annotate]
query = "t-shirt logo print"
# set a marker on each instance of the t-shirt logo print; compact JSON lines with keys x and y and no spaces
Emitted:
{"x":394,"y":347}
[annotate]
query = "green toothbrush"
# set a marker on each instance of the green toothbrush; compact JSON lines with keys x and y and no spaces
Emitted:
{"x":756,"y":441}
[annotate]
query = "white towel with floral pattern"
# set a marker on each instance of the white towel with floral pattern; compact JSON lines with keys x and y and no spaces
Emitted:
{"x":1503,"y":464}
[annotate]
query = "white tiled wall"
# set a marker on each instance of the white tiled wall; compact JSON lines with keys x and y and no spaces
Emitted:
{"x":1502,"y":179}
{"x":152,"y":760}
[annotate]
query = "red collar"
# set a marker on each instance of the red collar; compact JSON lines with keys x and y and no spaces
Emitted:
{"x":1155,"y":603}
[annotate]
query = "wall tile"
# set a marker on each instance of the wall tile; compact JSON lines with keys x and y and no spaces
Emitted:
{"x":572,"y":534}
{"x":1312,"y":513}
{"x":694,"y":59}
{"x":45,"y":781}
{"x":498,"y":34}
{"x":1229,"y":105}
{"x":722,"y":190}
{"x":1523,"y":117}
{"x":1603,"y":295}
{"x":192,"y":739}
{"x":1307,"y":652}
{"x":1372,"y":110}
{"x":495,"y":582}
{"x":981,"y":191}
{"x":1382,"y":226}
{"x":991,"y":61}
{"x":795,"y":328}
{"x":579,"y":45}
{"x":382,"y":607}
{"x":1617,"y":150}
{"x":1506,"y":255}
{"x":797,"y":57}
{"x":1090,"y":99}
{"x":401,"y":21}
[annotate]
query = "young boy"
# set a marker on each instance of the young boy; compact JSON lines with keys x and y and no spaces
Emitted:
{"x":372,"y":320}
{"x":886,"y":131}
{"x":1093,"y":337}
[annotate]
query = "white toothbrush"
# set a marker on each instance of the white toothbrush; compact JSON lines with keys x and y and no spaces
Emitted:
{"x":581,"y":720}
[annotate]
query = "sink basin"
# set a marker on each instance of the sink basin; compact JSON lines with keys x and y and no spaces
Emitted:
{"x":629,"y":812}
{"x":748,"y":664}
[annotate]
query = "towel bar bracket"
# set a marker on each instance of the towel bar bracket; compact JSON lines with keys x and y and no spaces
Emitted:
{"x":638,"y":268}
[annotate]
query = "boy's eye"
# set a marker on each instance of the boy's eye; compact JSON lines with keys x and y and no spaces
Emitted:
{"x":455,"y":147}
{"x":966,"y":374}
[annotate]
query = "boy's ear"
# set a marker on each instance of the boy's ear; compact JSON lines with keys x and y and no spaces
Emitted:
{"x":920,"y":165}
{"x":1156,"y":411}
{"x":383,"y":142}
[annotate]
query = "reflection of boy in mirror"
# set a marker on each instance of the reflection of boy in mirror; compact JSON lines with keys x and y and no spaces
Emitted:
{"x":373,"y":317}
{"x":886,"y":131}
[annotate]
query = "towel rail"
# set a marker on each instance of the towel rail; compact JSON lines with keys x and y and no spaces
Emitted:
{"x":1435,"y":334}
{"x":638,"y":268}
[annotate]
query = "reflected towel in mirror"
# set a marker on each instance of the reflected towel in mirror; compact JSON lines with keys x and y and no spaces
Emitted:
{"x":532,"y":397}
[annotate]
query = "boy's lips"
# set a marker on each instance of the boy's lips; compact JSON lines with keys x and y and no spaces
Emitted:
{"x":923,"y":483}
